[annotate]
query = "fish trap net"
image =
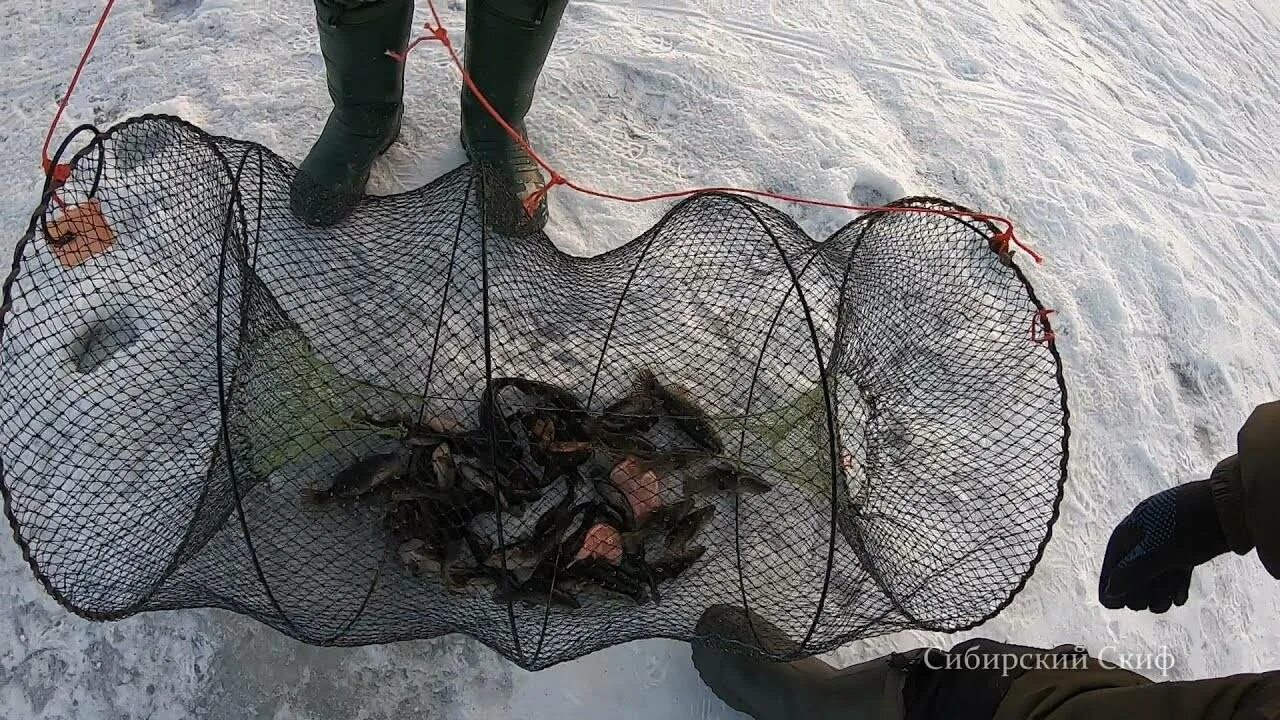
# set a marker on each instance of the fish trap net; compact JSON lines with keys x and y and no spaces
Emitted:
{"x":407,"y":425}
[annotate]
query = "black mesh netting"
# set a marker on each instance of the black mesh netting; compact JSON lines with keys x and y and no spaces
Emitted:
{"x":407,"y":425}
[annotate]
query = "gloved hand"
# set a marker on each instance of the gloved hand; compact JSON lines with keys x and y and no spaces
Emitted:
{"x":1153,"y":551}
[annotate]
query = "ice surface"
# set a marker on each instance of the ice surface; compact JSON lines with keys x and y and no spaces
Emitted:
{"x":1135,"y":143}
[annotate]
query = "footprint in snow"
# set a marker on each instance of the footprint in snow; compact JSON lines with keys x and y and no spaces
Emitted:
{"x":965,"y":68}
{"x":872,"y":187}
{"x":1165,"y":162}
{"x":172,"y":10}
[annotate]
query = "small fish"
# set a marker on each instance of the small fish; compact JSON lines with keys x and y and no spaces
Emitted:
{"x":432,"y":430}
{"x":550,"y":400}
{"x":633,"y":413}
{"x":725,"y":478}
{"x":544,"y":431}
{"x":529,"y":483}
{"x":600,"y":574}
{"x":536,"y":593}
{"x":635,"y":568}
{"x":463,"y":577}
{"x":420,"y":492}
{"x":361,"y":478}
{"x":402,"y":519}
{"x":475,"y":443}
{"x":666,"y":462}
{"x":449,"y":557}
{"x":441,"y":425}
{"x":509,"y":489}
{"x":549,"y":463}
{"x":563,"y":458}
{"x":677,"y":404}
{"x":669,"y":516}
{"x":422,"y":557}
{"x":419,"y":470}
{"x":688,"y":528}
{"x":415,"y":554}
{"x":607,"y":514}
{"x":442,"y":463}
{"x":429,"y":426}
{"x":674,"y":566}
{"x":663,"y":521}
{"x":480,"y":548}
{"x":617,"y":501}
{"x":475,"y":475}
{"x":510,"y":557}
{"x":519,"y":564}
{"x":554,"y":396}
{"x":624,"y":444}
{"x":554,"y":527}
{"x":439,"y":522}
{"x":524,"y":559}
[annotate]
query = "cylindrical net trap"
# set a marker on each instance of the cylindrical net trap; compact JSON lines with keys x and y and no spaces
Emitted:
{"x":406,"y":425}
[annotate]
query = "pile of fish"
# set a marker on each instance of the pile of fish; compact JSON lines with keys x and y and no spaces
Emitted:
{"x":544,"y":502}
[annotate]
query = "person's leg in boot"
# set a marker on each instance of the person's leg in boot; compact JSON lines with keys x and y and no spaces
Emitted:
{"x":367,"y":88}
{"x":507,"y":42}
{"x":806,"y":689}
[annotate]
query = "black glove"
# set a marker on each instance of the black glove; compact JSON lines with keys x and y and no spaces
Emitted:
{"x":1153,"y":551}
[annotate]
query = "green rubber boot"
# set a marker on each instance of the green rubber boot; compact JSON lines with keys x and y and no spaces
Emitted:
{"x":367,"y":87}
{"x":507,"y":42}
{"x":806,"y":689}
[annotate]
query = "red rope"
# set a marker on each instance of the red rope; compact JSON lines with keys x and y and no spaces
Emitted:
{"x":1040,"y":330}
{"x":61,"y":172}
{"x":435,"y":30}
{"x":1004,"y":240}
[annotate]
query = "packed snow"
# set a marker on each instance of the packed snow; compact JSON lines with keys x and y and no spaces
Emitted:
{"x":1134,"y":143}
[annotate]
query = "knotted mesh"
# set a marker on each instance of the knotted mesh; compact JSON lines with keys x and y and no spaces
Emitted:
{"x":407,"y":425}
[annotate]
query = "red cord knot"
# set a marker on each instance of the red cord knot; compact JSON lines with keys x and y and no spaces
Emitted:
{"x":536,"y":197}
{"x":59,"y":173}
{"x":438,"y":33}
{"x":441,"y":35}
{"x":1003,"y":242}
{"x":1041,"y":331}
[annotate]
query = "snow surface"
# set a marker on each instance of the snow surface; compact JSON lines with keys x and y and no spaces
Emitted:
{"x":1135,"y":143}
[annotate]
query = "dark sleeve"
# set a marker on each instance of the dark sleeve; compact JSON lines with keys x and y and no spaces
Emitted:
{"x":1097,"y":693}
{"x":1246,"y":489}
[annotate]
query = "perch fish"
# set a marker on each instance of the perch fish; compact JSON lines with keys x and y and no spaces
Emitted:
{"x":722,"y":478}
{"x":361,"y":477}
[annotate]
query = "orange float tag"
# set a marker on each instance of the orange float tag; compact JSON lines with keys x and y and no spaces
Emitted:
{"x":641,"y":485}
{"x":79,"y":233}
{"x":602,"y":541}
